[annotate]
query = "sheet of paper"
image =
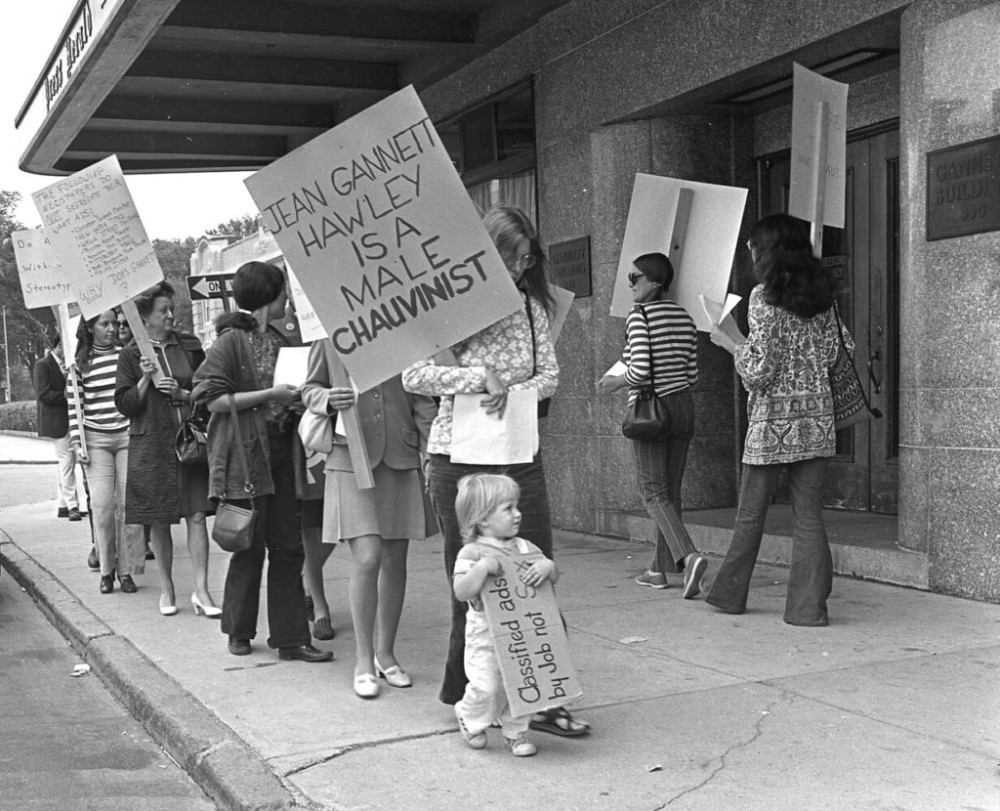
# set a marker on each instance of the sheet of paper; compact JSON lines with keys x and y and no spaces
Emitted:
{"x":617,"y":370}
{"x":717,"y":311}
{"x":478,"y":438}
{"x":564,"y":303}
{"x":291,"y":366}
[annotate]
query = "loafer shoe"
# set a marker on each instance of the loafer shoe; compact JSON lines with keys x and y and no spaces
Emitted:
{"x":323,"y":629}
{"x":107,"y":583}
{"x":694,"y":571}
{"x":655,"y":580}
{"x":75,"y":515}
{"x":366,"y":685}
{"x":128,"y":584}
{"x":305,"y":653}
{"x":239,"y":647}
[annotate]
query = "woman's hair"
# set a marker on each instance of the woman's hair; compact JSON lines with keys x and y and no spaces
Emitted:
{"x":85,"y":342}
{"x":478,"y":496}
{"x":657,"y":268}
{"x":145,"y":301}
{"x":792,"y":277}
{"x":506,"y":226}
{"x":257,"y":284}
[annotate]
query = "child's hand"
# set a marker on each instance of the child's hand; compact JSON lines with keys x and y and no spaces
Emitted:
{"x":538,"y":572}
{"x":493,"y":565}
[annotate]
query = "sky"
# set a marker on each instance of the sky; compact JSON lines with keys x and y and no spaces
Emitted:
{"x":171,"y":206}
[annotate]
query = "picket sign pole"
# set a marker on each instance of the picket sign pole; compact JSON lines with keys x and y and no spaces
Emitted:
{"x":141,"y":337}
{"x":678,"y":236}
{"x":355,"y":441}
{"x":820,"y":149}
{"x":62,"y":313}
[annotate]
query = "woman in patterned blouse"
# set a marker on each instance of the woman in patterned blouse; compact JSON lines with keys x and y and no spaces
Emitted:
{"x":515,"y":353}
{"x":785,"y":366}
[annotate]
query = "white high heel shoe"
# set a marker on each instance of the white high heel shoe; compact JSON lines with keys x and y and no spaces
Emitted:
{"x":210,"y":611}
{"x":394,"y":676}
{"x":366,"y":685}
{"x":167,"y":610}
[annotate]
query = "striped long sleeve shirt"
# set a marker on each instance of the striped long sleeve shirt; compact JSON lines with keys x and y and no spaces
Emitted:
{"x":97,"y":395}
{"x":666,"y":336}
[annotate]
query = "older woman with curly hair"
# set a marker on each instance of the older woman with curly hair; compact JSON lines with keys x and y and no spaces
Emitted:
{"x":785,"y":366}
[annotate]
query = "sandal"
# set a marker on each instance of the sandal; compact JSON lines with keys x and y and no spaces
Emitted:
{"x":558,"y":721}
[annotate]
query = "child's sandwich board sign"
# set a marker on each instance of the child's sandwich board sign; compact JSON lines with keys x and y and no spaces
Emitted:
{"x":530,"y":641}
{"x":384,"y":239}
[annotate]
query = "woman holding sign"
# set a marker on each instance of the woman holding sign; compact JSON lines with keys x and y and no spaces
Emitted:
{"x":237,"y":380}
{"x":514,"y":353}
{"x":376,"y":523}
{"x":785,"y":366}
{"x":160,"y":490}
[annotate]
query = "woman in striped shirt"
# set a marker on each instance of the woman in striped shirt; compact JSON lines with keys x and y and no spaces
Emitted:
{"x":661,"y":351}
{"x":103,"y":451}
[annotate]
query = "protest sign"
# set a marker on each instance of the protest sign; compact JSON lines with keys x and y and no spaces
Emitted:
{"x":309,"y":325}
{"x":713,"y":227}
{"x":809,"y":92}
{"x":530,"y":641}
{"x":384,"y":239}
{"x":43,"y":282}
{"x":98,"y":237}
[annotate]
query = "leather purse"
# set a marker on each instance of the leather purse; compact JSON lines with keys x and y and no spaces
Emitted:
{"x":646,"y":418}
{"x":850,"y":405}
{"x":234,"y":525}
{"x":191,"y":442}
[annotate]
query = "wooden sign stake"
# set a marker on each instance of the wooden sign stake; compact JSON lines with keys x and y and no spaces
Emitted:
{"x":819,"y":176}
{"x":62,"y":314}
{"x":141,"y":337}
{"x":678,"y":236}
{"x":352,"y":427}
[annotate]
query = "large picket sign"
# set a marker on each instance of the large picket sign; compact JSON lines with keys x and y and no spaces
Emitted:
{"x":98,"y":237}
{"x":43,"y":281}
{"x":384,"y":239}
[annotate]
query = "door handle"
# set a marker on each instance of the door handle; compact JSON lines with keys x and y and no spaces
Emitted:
{"x":873,"y":358}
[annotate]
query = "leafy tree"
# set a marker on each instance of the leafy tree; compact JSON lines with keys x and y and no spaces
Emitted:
{"x":174,"y":256}
{"x":28,"y":331}
{"x":245,"y":226}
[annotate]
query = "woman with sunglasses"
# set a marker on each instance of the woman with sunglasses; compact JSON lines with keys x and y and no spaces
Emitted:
{"x":661,"y":350}
{"x":514,"y":353}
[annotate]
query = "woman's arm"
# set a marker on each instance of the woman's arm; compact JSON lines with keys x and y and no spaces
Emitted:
{"x":131,"y":384}
{"x":314,"y":390}
{"x":546,"y":376}
{"x":639,"y":349}
{"x":427,"y":377}
{"x":759,"y":358}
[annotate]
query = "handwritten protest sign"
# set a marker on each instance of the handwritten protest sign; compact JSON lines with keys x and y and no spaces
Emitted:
{"x":530,"y":641}
{"x":384,"y":239}
{"x":43,"y":281}
{"x":713,"y":227}
{"x":98,"y":237}
{"x":811,"y":89}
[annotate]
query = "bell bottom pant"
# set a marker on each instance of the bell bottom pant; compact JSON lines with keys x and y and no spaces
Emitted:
{"x":66,"y":473}
{"x":119,"y":545}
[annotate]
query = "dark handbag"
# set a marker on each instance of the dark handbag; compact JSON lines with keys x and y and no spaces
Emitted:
{"x":647,"y":418}
{"x":543,"y":405}
{"x":234,"y":525}
{"x":850,"y":405}
{"x":191,"y":442}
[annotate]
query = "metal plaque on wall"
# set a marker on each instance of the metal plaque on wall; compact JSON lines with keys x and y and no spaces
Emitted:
{"x":963,"y":189}
{"x":569,"y":266}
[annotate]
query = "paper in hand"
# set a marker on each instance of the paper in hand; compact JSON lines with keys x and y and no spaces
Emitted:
{"x":478,"y":438}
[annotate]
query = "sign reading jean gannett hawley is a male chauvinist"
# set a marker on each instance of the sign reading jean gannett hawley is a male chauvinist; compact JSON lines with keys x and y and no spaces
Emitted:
{"x":530,"y":641}
{"x":384,"y":239}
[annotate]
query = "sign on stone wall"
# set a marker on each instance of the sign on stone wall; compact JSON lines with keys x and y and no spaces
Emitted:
{"x":569,"y":266}
{"x":963,"y":189}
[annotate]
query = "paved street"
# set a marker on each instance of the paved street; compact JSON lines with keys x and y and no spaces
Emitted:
{"x":895,"y":705}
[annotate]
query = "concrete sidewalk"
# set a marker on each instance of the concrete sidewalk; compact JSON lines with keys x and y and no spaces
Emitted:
{"x":896,"y":704}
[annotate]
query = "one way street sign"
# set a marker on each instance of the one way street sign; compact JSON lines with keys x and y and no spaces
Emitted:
{"x":218,"y":285}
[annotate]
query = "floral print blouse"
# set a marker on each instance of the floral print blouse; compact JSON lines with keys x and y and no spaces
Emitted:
{"x":785,"y":366}
{"x":506,"y":348}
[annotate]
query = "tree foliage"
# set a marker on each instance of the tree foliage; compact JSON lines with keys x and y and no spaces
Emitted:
{"x":174,"y":256}
{"x":245,"y":226}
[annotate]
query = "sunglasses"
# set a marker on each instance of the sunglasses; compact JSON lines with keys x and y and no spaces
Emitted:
{"x":633,"y":278}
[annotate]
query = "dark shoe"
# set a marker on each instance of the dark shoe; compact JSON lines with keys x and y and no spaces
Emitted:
{"x":62,"y":512}
{"x":311,"y":611}
{"x":323,"y":629}
{"x":107,"y":583}
{"x":92,"y":561}
{"x":305,"y":653}
{"x":239,"y":647}
{"x":128,"y":584}
{"x":558,"y":721}
{"x":149,"y":553}
{"x":75,"y":515}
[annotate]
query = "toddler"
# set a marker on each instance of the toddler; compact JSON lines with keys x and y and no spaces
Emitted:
{"x":486,"y":508}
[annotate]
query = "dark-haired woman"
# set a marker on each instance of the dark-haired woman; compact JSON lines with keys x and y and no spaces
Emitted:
{"x":514,"y":353}
{"x":239,"y":372}
{"x":160,"y":490}
{"x":785,"y":366}
{"x":103,"y":451}
{"x":662,"y":351}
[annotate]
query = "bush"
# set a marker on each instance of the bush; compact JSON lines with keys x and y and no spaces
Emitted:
{"x":20,"y":416}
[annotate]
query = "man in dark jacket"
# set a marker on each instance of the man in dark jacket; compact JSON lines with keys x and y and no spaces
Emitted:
{"x":53,"y":423}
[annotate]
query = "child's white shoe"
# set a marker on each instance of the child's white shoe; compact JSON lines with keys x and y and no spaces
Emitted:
{"x":521,"y":746}
{"x":475,"y":741}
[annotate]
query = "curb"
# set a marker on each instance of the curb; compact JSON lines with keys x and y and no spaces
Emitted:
{"x":230,"y":773}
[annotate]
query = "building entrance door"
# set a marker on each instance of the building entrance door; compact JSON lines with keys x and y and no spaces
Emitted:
{"x":865,"y":254}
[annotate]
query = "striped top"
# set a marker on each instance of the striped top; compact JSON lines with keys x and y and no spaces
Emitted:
{"x":672,"y":339}
{"x":97,"y":392}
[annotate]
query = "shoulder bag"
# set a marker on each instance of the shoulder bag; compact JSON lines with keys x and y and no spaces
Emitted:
{"x":191,"y":442}
{"x":233,"y":527}
{"x":850,"y":405}
{"x":646,"y":418}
